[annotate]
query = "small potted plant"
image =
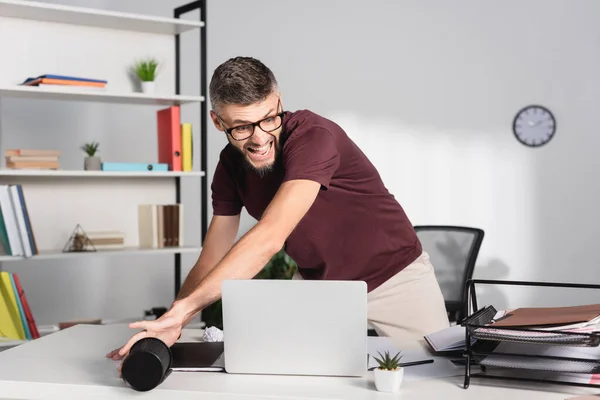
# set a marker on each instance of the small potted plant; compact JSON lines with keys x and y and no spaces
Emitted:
{"x":389,"y":374}
{"x":146,"y":71}
{"x":91,"y":162}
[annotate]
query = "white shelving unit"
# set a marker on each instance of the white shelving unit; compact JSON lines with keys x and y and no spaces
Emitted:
{"x":34,"y":12}
{"x":127,"y":251}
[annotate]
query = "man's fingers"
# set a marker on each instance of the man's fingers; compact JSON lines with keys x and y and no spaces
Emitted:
{"x":111,"y":354}
{"x":125,"y":349}
{"x":145,"y":325}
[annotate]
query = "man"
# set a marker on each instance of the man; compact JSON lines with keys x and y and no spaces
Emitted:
{"x":314,"y":193}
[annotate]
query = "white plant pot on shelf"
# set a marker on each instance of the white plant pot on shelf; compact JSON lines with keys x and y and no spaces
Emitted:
{"x":92,"y":163}
{"x":388,"y":381}
{"x":148,"y":87}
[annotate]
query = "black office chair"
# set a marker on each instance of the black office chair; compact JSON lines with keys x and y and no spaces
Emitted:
{"x":453,"y":251}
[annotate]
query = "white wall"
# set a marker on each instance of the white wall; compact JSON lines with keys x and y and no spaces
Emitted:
{"x":428,"y":89}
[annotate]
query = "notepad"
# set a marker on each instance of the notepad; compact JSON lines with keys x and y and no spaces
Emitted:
{"x":448,"y":339}
{"x":198,"y":356}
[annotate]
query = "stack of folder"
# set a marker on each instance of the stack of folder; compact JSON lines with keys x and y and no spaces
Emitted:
{"x":174,"y":140}
{"x":16,"y":319}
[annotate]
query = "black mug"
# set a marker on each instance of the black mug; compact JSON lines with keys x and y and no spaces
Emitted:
{"x":147,"y":364}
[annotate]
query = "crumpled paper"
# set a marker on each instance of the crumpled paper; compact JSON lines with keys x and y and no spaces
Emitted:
{"x":213,"y":334}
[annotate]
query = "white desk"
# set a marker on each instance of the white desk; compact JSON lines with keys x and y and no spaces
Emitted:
{"x":71,"y":364}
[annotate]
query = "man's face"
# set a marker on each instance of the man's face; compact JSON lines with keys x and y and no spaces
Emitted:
{"x":254,"y":130}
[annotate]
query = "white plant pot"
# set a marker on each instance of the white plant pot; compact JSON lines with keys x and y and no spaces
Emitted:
{"x":93,"y":163}
{"x":388,"y":381}
{"x":148,"y":87}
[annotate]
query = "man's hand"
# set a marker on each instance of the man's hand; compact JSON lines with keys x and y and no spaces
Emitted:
{"x":166,"y":328}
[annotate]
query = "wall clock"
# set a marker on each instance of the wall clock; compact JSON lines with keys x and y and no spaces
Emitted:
{"x":534,"y":125}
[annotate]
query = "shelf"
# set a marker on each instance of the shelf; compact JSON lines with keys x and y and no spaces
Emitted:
{"x":94,"y":18}
{"x":126,"y":251}
{"x":96,"y":174}
{"x":97,"y":96}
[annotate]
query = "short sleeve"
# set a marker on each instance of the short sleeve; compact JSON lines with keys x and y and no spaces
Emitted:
{"x":311,"y":155}
{"x":225,"y":198}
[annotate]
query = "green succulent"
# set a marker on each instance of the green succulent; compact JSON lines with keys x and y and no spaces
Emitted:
{"x":90,"y":148}
{"x":388,"y":363}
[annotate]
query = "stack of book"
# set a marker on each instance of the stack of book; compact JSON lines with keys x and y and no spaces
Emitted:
{"x":16,"y":231}
{"x":16,"y":319}
{"x":71,"y":82}
{"x":32,"y":159}
{"x":160,"y":225}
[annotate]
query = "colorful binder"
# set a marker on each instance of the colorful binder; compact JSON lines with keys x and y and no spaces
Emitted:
{"x":20,"y":293}
{"x":11,"y":327}
{"x":169,"y":137}
{"x":24,"y":322}
{"x":186,"y":146}
{"x":123,"y":166}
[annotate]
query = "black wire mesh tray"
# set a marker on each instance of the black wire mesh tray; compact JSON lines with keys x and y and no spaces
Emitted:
{"x":478,"y":328}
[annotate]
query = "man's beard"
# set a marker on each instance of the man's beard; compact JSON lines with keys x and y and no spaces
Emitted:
{"x":264,"y":170}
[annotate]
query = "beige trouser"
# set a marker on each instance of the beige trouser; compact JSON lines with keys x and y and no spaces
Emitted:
{"x":407,"y":306}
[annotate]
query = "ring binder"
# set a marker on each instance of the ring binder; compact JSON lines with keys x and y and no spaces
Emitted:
{"x":514,"y":348}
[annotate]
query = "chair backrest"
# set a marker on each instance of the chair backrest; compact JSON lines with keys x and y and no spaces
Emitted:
{"x":453,"y":251}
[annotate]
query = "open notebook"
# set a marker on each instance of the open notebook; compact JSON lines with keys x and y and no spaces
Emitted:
{"x":447,"y":340}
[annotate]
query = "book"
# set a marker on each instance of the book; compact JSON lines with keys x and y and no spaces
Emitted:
{"x":37,"y":79}
{"x":32,"y":153}
{"x":198,"y":356}
{"x":160,"y":225}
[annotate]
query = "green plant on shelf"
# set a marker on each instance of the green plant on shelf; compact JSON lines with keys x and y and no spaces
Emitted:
{"x":90,"y":148}
{"x":280,"y":266}
{"x":146,"y":70}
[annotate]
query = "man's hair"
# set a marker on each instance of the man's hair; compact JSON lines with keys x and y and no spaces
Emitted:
{"x":241,"y":80}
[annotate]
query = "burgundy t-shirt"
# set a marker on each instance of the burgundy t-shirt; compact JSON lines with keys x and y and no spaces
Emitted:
{"x":355,"y":230}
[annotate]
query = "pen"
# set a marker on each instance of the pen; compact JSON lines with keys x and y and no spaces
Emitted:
{"x":409,"y":364}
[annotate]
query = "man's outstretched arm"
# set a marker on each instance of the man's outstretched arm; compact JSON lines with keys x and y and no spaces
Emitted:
{"x":219,"y":239}
{"x":245,"y":259}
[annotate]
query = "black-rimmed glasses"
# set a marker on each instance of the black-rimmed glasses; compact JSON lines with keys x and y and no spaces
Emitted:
{"x":268,"y":124}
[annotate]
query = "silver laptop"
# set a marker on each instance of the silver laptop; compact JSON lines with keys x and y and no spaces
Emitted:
{"x":295,"y":327}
